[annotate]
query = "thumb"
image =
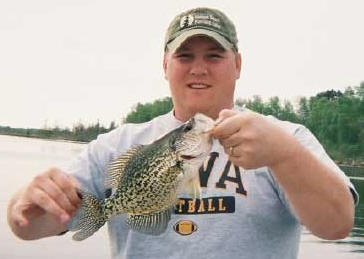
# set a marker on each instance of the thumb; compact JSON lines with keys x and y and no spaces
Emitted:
{"x":225,"y":113}
{"x":219,"y":128}
{"x":18,"y":215}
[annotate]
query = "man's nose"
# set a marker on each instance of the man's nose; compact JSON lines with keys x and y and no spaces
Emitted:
{"x":198,"y":67}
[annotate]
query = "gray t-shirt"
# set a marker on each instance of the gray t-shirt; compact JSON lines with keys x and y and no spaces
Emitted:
{"x":241,"y":214}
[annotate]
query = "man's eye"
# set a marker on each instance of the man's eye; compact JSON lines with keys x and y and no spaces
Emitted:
{"x":184,"y":55}
{"x":215,"y":56}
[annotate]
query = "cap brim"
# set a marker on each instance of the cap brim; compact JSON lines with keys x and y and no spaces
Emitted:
{"x":177,"y":42}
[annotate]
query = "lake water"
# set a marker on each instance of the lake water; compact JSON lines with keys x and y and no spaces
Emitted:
{"x":23,"y":158}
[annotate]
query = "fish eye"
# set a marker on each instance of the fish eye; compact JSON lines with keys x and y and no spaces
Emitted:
{"x":188,"y":127}
{"x":173,"y":143}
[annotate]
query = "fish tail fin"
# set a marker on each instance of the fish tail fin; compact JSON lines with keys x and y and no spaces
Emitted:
{"x":90,"y":217}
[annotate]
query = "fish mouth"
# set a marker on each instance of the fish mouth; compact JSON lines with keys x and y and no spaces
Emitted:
{"x":187,"y":157}
{"x":190,"y":157}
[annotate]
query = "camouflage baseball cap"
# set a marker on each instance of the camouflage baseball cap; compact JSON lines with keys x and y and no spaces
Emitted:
{"x":201,"y":21}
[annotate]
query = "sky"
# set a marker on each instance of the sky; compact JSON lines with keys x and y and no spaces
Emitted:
{"x":69,"y":61}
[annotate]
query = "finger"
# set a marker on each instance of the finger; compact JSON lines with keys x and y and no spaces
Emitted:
{"x":227,"y":127}
{"x":225,"y":113}
{"x":44,"y":201}
{"x":233,"y":152}
{"x":52,"y":189}
{"x":222,"y":115}
{"x":74,"y":181}
{"x":232,"y":140}
{"x":237,"y":162}
{"x":234,"y":123}
{"x":67,"y":185}
{"x":242,"y":162}
{"x":228,"y":151}
{"x":76,"y":184}
{"x":19,"y":217}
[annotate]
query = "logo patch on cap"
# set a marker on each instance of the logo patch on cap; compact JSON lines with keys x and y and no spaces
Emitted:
{"x":185,"y":227}
{"x":186,"y":21}
{"x":199,"y":19}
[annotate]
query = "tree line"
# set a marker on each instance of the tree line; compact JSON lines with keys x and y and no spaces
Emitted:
{"x":79,"y":132}
{"x":336,"y":118}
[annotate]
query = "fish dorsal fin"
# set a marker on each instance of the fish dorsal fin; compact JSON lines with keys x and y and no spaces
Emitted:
{"x":152,"y":224}
{"x":116,"y":168}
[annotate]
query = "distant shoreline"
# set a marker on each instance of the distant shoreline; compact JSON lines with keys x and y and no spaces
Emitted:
{"x":46,"y":139}
{"x":79,"y":134}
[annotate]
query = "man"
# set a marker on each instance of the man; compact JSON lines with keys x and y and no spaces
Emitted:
{"x":263,"y":179}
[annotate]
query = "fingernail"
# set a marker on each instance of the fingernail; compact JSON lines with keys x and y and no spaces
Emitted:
{"x":208,"y":130}
{"x":21,"y":223}
{"x":65,"y":218}
{"x":218,"y":121}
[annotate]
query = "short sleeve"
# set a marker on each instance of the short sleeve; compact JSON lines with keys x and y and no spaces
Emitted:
{"x":307,"y":139}
{"x":89,"y":167}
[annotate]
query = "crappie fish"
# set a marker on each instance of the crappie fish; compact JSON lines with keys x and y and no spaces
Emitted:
{"x":147,"y":180}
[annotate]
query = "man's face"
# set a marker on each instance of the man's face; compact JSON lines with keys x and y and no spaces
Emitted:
{"x":202,"y":76}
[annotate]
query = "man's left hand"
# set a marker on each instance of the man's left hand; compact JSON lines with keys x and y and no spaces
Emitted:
{"x":251,"y":140}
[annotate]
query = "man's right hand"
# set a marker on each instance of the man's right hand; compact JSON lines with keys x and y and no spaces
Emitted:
{"x":51,"y":196}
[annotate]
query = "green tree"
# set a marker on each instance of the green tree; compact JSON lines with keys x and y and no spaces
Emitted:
{"x":112,"y":125}
{"x":256,"y":104}
{"x":303,"y":110}
{"x":146,"y":112}
{"x":330,"y":94}
{"x":288,"y":113}
{"x":360,"y":91}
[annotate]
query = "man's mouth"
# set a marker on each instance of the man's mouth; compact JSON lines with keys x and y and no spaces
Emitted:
{"x":198,"y":86}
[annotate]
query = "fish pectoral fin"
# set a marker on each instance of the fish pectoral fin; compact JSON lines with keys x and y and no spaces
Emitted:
{"x":115,"y":170}
{"x":192,"y":188}
{"x":151,"y":224}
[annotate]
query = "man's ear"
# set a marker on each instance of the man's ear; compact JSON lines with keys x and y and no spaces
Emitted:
{"x":238,"y":62}
{"x":165,"y":61}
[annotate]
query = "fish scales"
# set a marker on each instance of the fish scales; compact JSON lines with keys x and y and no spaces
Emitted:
{"x":144,"y":175}
{"x":147,"y":180}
